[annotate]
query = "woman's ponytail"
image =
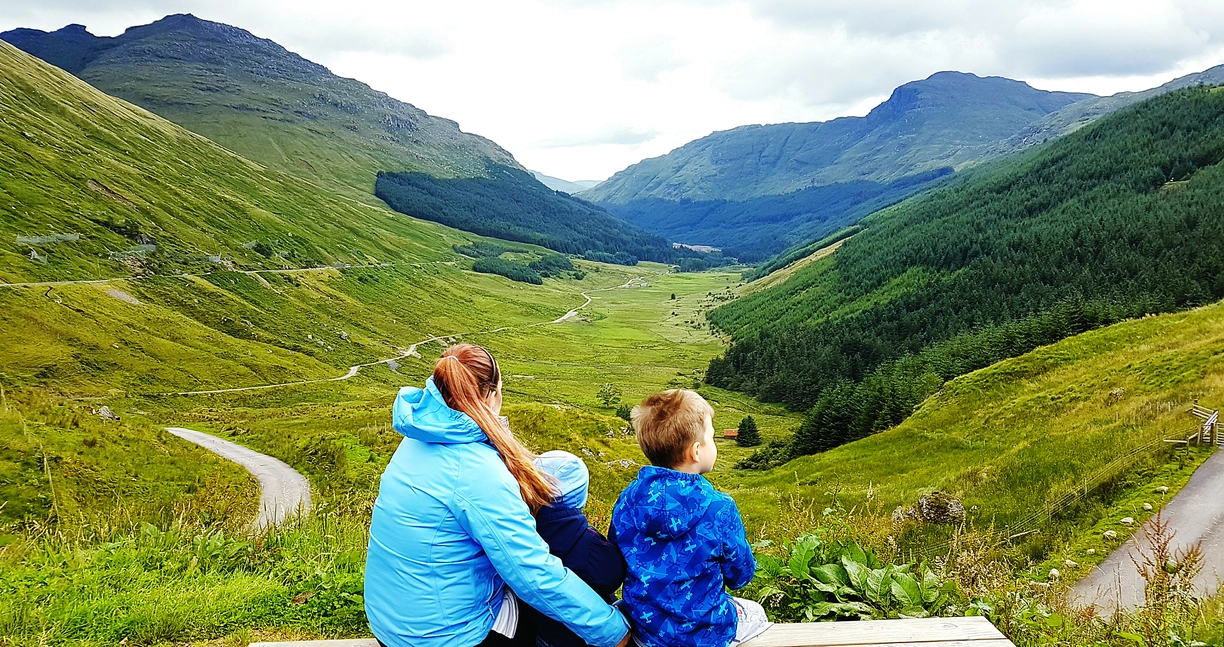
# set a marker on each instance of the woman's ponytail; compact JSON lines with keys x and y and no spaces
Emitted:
{"x":467,"y":375}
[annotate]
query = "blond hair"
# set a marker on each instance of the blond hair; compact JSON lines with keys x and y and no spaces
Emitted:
{"x":668,"y":423}
{"x":466,"y":375}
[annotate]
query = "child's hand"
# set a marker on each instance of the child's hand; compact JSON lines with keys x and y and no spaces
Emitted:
{"x":625,"y":641}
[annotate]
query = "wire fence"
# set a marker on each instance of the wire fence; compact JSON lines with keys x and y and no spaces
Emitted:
{"x":1040,"y":518}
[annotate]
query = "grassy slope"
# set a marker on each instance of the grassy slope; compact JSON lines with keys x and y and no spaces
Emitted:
{"x":190,"y":585}
{"x":1011,"y":437}
{"x":61,"y":466}
{"x":72,"y":157}
{"x":270,"y":105}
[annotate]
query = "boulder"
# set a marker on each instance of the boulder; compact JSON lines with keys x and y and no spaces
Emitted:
{"x":105,"y":413}
{"x":936,"y":507}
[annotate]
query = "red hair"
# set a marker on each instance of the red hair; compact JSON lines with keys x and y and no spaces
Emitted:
{"x":466,"y":375}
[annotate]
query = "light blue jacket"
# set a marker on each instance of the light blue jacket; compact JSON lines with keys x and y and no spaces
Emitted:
{"x":450,"y":529}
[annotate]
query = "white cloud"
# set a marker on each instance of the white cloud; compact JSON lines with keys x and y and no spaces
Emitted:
{"x":583,"y":88}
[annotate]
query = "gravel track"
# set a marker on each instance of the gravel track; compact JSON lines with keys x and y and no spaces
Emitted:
{"x":283,"y":491}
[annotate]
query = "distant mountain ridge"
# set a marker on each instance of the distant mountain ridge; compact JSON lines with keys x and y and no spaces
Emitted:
{"x":557,"y":184}
{"x":264,"y":102}
{"x":1082,"y":113}
{"x":950,"y":119}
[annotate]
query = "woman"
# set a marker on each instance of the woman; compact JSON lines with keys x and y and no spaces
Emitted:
{"x":453,"y":523}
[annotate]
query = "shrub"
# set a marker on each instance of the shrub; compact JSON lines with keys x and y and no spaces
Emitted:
{"x":748,"y":435}
{"x":509,"y":269}
{"x":813,"y":579}
{"x":552,"y":265}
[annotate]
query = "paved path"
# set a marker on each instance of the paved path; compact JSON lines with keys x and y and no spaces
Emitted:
{"x":283,"y":492}
{"x":1196,"y":514}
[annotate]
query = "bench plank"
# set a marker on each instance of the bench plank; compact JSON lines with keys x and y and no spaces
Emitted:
{"x":352,"y":642}
{"x":975,"y":630}
{"x":921,"y":632}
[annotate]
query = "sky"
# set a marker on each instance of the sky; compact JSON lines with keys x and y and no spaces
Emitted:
{"x":582,"y":89}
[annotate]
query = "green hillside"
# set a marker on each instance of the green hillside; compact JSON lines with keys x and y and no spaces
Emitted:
{"x":756,"y":190}
{"x":1117,"y":220}
{"x":512,"y":205}
{"x":278,"y":109}
{"x":1086,"y":416}
{"x":263,"y":102}
{"x":96,"y":187}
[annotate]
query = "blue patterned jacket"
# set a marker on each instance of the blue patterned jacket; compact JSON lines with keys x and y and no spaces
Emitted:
{"x":683,"y":541}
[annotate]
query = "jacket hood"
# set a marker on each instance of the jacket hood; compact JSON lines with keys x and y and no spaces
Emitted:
{"x":573,"y":479}
{"x":666,"y":504}
{"x":422,"y":414}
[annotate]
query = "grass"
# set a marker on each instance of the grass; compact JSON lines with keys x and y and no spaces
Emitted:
{"x":115,"y":530}
{"x":1012,"y":439}
{"x":76,"y":161}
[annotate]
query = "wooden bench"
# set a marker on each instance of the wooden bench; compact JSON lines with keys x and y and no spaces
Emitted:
{"x":925,"y":632}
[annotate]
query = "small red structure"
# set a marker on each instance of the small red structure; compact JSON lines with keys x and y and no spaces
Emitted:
{"x":730,"y":433}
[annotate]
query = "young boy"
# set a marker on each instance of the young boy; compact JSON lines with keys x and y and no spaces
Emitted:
{"x":570,"y":537}
{"x":683,"y":541}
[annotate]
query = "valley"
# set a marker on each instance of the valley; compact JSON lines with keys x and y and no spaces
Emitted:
{"x":207,"y":240}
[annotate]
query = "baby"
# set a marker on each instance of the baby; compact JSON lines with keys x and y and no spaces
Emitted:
{"x":683,"y":541}
{"x":570,"y":537}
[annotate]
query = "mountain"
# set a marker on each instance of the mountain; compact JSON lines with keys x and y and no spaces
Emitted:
{"x":950,"y":119}
{"x":722,"y":189}
{"x":263,"y":102}
{"x":557,"y":184}
{"x":94,"y":186}
{"x":275,"y":107}
{"x":1081,"y":113}
{"x":1116,"y":220}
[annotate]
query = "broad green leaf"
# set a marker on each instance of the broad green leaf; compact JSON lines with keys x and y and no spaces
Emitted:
{"x":906,"y":590}
{"x":857,"y":573}
{"x":831,"y":574}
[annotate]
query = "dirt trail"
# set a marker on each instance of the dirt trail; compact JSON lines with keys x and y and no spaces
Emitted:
{"x":54,"y":284}
{"x":283,"y":492}
{"x":1196,"y":514}
{"x":353,"y":370}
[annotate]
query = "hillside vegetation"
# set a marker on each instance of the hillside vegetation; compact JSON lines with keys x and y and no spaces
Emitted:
{"x":512,"y":205}
{"x":267,"y":104}
{"x":1117,"y":220}
{"x":950,"y":119}
{"x":279,"y":109}
{"x":755,"y":229}
{"x":93,"y":187}
{"x":1081,"y":113}
{"x":1014,"y":439}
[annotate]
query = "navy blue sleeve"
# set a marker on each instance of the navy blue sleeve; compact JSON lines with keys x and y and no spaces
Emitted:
{"x":599,"y":562}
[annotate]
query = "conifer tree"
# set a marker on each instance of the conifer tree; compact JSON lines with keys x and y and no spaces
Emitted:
{"x":748,"y":435}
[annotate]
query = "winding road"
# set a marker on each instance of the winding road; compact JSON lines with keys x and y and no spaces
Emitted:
{"x":1195,"y":515}
{"x":283,"y":491}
